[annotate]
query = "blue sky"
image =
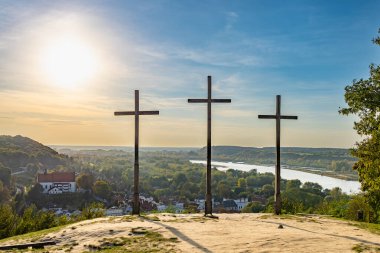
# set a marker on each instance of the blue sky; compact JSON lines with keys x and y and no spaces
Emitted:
{"x":306,"y":51}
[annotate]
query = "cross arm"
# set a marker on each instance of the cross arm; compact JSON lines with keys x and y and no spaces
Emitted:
{"x":289,"y":117}
{"x":221,"y":100}
{"x":123,"y":113}
{"x":205,"y":100}
{"x":197,"y":100}
{"x":149,"y":112}
{"x":266,"y":116}
{"x":139,"y":113}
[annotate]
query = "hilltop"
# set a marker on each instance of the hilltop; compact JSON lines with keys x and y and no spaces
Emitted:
{"x":18,"y":151}
{"x":195,"y":233}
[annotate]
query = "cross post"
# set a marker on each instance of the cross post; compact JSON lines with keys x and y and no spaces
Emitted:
{"x":277,"y":117}
{"x":209,"y":101}
{"x":136,"y":113}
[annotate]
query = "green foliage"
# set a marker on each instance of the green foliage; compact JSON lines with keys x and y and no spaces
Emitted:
{"x":267,"y":190}
{"x":358,"y":204}
{"x":253,"y":207}
{"x":35,"y":194}
{"x":4,"y":193}
{"x":94,"y":210}
{"x":291,"y":184}
{"x":102,"y":189}
{"x":8,"y":220}
{"x":85,"y":181}
{"x":335,"y":203}
{"x":5,"y":175}
{"x":363,"y":99}
{"x":19,"y":151}
{"x":34,"y":220}
{"x":313,"y":188}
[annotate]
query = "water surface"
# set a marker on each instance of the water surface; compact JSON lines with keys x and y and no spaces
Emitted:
{"x":324,"y":181}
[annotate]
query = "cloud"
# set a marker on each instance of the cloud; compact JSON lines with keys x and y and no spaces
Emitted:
{"x":231,"y":19}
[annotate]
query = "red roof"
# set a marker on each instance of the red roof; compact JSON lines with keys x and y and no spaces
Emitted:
{"x":56,"y":177}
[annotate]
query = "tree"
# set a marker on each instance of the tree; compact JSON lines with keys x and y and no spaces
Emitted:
{"x":253,"y":207}
{"x":102,"y":189}
{"x":4,"y":193}
{"x":314,"y":188}
{"x":295,"y":183}
{"x":94,"y":210}
{"x":5,"y":175}
{"x":35,"y":195}
{"x":8,"y":221}
{"x":85,"y":181}
{"x":363,"y":99}
{"x":267,"y":190}
{"x":242,"y":183}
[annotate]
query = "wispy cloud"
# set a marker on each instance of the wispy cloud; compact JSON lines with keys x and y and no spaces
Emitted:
{"x":231,"y":19}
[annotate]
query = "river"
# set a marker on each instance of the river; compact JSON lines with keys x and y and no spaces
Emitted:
{"x":325,"y":182}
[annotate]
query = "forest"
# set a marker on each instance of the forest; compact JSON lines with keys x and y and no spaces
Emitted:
{"x":105,"y":177}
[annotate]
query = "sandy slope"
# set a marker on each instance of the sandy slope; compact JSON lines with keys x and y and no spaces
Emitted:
{"x":229,"y":233}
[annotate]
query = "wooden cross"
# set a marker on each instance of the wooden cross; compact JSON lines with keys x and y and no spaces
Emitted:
{"x":278,"y":117}
{"x":209,"y":101}
{"x":136,"y":113}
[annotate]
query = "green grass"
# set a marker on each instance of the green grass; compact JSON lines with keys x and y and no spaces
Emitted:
{"x":33,"y":236}
{"x":371,"y":227}
{"x":150,"y":217}
{"x":364,"y":248}
{"x":360,"y":248}
{"x":141,"y":240}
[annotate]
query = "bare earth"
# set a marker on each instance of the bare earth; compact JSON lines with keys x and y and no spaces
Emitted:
{"x":229,"y":233}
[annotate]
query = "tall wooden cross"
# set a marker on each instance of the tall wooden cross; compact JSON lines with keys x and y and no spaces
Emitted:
{"x":278,"y":117}
{"x":136,"y":113}
{"x":209,"y":101}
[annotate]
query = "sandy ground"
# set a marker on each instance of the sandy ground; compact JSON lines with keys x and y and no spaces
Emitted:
{"x":229,"y":233}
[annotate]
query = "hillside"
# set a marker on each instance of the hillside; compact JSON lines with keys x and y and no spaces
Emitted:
{"x":19,"y":151}
{"x":195,"y":233}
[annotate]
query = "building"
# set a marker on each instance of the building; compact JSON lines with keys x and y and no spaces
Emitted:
{"x":201,"y":204}
{"x":57,"y":182}
{"x":115,"y":211}
{"x":234,"y":204}
{"x":230,"y":205}
{"x":241,"y":203}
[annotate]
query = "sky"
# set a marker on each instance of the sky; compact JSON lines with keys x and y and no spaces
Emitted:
{"x":66,"y":66}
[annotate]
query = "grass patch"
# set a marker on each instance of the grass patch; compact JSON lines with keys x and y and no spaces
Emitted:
{"x":360,"y":248}
{"x":141,"y":241}
{"x":128,"y":218}
{"x":371,"y":227}
{"x":265,"y":216}
{"x":33,"y":236}
{"x":150,"y":217}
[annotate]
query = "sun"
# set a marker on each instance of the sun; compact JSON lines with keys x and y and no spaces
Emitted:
{"x":69,"y":62}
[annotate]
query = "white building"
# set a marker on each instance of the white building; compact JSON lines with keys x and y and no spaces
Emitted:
{"x":241,"y":203}
{"x":201,"y":204}
{"x":161,"y":207}
{"x":114,"y":211}
{"x":179,"y":207}
{"x":57,"y":182}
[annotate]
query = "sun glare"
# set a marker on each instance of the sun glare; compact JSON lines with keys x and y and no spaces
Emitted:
{"x":69,"y":62}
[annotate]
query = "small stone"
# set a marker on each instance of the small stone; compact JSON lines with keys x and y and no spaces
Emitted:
{"x":280,"y":226}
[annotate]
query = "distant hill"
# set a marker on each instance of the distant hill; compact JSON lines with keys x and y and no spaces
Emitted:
{"x":294,"y":156}
{"x":19,"y":151}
